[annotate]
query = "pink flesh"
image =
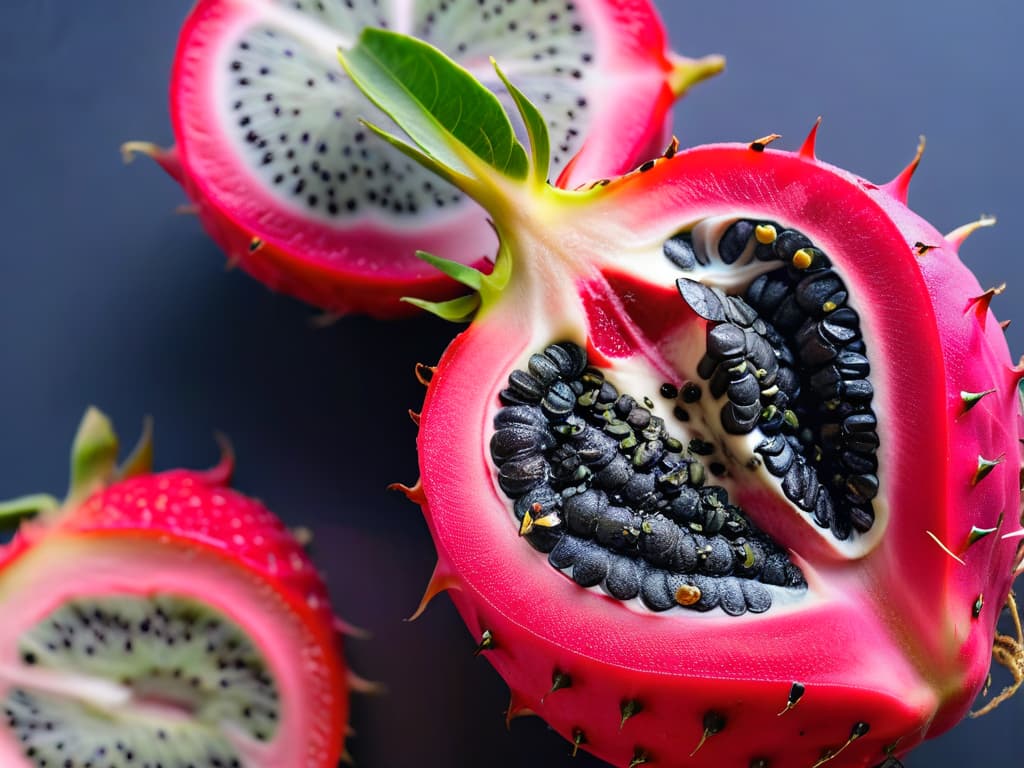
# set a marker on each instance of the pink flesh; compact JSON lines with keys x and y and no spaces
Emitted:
{"x":71,"y":566}
{"x":887,"y":639}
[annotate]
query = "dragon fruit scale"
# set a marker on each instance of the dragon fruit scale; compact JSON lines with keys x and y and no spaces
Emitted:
{"x":725,"y":470}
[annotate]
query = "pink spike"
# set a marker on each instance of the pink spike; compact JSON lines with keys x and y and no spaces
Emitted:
{"x":980,"y":304}
{"x":900,"y":186}
{"x":517,"y":707}
{"x":958,"y":235}
{"x":167,"y":159}
{"x":1017,"y":372}
{"x":221,"y":474}
{"x":807,"y":148}
{"x":413,"y":493}
{"x":440,"y":581}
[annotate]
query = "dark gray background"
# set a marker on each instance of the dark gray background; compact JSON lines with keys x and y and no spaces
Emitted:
{"x":108,"y":297}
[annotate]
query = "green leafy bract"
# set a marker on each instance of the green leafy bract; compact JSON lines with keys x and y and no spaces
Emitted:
{"x":442,"y":108}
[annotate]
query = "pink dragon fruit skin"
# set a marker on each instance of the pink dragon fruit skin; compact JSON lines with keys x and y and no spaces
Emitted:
{"x":878,"y":630}
{"x":897,"y":641}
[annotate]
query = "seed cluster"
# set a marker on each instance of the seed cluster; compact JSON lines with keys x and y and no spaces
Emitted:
{"x":602,"y":487}
{"x":791,"y":361}
{"x":170,"y":650}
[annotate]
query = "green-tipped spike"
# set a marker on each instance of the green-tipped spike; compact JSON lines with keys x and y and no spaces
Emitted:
{"x":93,"y":455}
{"x":977,"y":534}
{"x":458,"y":310}
{"x":640,"y":757}
{"x":559,"y":680}
{"x":578,"y":738}
{"x":468,"y":276}
{"x":628,"y":709}
{"x":140,"y":461}
{"x":979,"y":604}
{"x":971,"y":399}
{"x":985,"y":467}
{"x":486,"y":642}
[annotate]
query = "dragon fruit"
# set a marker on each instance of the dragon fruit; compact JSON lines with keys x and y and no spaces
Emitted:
{"x":725,"y":470}
{"x":282,"y":174}
{"x":162,"y":619}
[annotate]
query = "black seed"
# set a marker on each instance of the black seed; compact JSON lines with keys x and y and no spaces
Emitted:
{"x":858,"y":391}
{"x":669,"y":391}
{"x":780,"y":463}
{"x":679,"y":250}
{"x":520,"y":474}
{"x":863,"y":487}
{"x":824,"y":511}
{"x":709,"y":592}
{"x":543,"y":369}
{"x":659,"y":538}
{"x":758,"y":598}
{"x":815,"y":348}
{"x":519,"y":438}
{"x":788,"y":242}
{"x":618,"y":528}
{"x":559,"y":401}
{"x":701,"y":299}
{"x":765,"y":294}
{"x":794,"y":484}
{"x":726,"y":341}
{"x":519,"y":414}
{"x":740,"y":419}
{"x":862,"y":517}
{"x":638,"y":418}
{"x":852,"y":366}
{"x":655,"y":591}
{"x":591,"y":566}
{"x":570,"y":358}
{"x":615,"y":475}
{"x":583,"y":511}
{"x":735,"y":240}
{"x":731,"y":598}
{"x":788,"y":316}
{"x":623,"y":581}
{"x":814,"y":290}
{"x":739,"y":312}
{"x":691,"y":393}
{"x":566,"y":552}
{"x":526,"y":386}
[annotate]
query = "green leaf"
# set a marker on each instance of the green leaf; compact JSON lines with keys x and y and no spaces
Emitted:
{"x":468,"y":276}
{"x":455,"y":310}
{"x":440,"y":105}
{"x":536,"y":127}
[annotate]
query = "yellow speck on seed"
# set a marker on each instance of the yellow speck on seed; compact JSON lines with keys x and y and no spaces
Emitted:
{"x":802,"y":259}
{"x":765,"y":234}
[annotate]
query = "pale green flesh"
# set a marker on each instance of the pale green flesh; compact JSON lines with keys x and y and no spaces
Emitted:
{"x":175,"y":676}
{"x":294,"y":116}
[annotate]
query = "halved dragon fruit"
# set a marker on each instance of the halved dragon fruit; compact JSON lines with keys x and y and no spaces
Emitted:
{"x":292,"y":187}
{"x":726,"y":469}
{"x":162,"y":620}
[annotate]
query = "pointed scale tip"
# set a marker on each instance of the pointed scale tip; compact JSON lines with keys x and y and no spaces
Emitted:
{"x":686,"y":72}
{"x":359,"y":684}
{"x":806,"y":150}
{"x":958,"y":235}
{"x":165,"y":158}
{"x":440,"y":581}
{"x":517,"y":707}
{"x":221,"y":474}
{"x":899,"y":187}
{"x":980,"y":304}
{"x":1016,"y":372}
{"x":413,"y":493}
{"x":346,"y":629}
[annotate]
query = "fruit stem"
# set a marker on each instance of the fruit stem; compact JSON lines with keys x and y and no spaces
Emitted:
{"x":687,"y":72}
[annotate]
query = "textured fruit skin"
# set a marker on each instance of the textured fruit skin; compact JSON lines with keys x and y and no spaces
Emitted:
{"x":196,"y":512}
{"x":368,"y":267}
{"x":891,"y":640}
